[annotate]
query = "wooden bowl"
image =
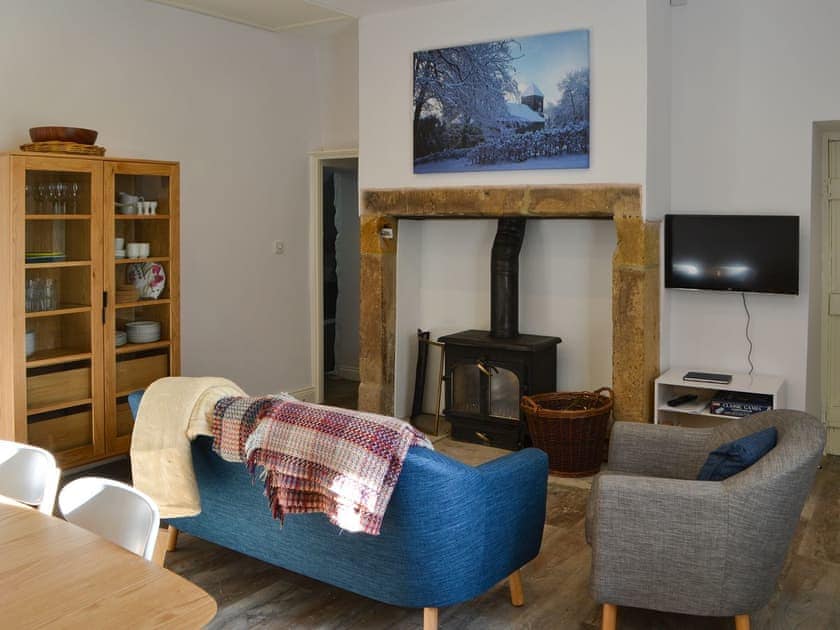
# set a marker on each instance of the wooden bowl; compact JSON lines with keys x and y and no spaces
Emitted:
{"x":63,"y":134}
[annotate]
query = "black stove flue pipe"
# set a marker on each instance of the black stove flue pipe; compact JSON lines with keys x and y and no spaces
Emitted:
{"x":504,"y":278}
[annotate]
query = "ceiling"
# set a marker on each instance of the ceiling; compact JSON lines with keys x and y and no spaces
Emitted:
{"x":280,"y":15}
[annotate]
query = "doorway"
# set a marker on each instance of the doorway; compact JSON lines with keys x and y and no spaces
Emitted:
{"x":336,"y":264}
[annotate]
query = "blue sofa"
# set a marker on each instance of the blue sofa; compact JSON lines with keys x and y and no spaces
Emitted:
{"x":450,"y":533}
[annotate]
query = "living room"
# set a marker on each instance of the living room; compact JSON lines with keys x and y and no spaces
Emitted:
{"x":712,"y":107}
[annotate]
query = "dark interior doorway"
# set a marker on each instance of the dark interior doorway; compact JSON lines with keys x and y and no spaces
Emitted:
{"x":340,"y":231}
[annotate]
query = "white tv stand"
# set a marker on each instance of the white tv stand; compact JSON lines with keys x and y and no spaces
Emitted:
{"x":671,"y":384}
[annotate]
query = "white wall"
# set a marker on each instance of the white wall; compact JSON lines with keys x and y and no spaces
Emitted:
{"x":565,"y":277}
{"x":348,"y":261}
{"x":238,"y":107}
{"x":338,"y":78}
{"x":749,"y":79}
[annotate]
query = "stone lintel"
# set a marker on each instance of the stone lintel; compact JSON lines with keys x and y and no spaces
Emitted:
{"x":592,"y":201}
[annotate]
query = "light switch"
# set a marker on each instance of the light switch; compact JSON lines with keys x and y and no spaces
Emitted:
{"x":279,"y":247}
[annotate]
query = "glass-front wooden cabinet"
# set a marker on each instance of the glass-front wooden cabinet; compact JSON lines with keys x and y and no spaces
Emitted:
{"x":89,"y":297}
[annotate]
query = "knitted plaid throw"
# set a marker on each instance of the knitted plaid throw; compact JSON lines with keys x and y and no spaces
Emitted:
{"x":316,"y":458}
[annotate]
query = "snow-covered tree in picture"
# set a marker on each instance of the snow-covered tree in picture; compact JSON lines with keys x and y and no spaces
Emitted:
{"x":574,"y":104}
{"x":463,"y":85}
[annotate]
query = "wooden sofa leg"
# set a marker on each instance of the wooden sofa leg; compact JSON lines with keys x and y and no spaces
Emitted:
{"x":517,"y":596}
{"x":608,"y":617}
{"x":742,"y":622}
{"x":172,"y":539}
{"x":430,"y":618}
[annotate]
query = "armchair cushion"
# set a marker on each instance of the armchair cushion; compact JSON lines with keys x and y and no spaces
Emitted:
{"x":733,"y":457}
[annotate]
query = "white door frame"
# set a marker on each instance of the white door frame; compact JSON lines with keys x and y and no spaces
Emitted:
{"x":825,"y":285}
{"x":316,"y":261}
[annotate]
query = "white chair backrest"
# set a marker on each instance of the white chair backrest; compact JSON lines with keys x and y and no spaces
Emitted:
{"x":28,"y":474}
{"x":114,"y":510}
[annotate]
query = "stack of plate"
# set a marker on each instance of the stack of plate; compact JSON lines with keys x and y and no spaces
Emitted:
{"x":143,"y":332}
{"x":121,"y":338}
{"x":45,"y":257}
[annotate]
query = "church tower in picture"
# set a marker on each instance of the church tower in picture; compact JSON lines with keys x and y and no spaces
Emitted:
{"x":533,"y":98}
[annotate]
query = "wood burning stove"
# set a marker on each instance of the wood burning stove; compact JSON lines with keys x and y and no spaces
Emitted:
{"x":486,"y":377}
{"x":487,"y":372}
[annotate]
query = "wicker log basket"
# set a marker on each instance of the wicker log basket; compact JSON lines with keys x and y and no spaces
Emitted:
{"x":571,"y":428}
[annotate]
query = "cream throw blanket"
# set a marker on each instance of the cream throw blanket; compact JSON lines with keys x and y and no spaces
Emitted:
{"x":173,"y":411}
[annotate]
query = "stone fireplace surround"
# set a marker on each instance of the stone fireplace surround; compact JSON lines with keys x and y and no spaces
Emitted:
{"x":635,"y":277}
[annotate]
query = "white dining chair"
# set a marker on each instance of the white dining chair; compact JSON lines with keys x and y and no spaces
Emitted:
{"x":29,"y":475}
{"x":113,"y":510}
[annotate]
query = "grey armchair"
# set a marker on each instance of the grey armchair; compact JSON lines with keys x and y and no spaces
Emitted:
{"x":664,"y":541}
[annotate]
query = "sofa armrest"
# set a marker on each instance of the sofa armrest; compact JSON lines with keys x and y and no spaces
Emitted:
{"x":660,"y":543}
{"x":515,"y":494}
{"x":657,"y":450}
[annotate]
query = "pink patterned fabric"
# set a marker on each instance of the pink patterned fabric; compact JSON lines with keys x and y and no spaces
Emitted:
{"x":320,"y":459}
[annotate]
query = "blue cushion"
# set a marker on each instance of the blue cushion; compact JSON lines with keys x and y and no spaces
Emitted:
{"x":730,"y":459}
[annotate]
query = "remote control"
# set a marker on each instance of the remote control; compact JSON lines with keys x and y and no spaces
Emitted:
{"x":681,"y":400}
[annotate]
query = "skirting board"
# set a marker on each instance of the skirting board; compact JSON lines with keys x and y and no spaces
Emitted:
{"x":347,"y":372}
{"x":832,"y":446}
{"x":307,"y":394}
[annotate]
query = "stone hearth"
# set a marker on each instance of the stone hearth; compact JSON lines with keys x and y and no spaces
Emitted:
{"x":635,"y":285}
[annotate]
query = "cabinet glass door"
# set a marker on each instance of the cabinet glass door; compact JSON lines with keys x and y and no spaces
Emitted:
{"x":141,"y":250}
{"x":57,"y":206}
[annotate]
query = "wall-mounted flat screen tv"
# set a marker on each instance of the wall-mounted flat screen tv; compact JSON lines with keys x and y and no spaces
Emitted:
{"x":732,"y":252}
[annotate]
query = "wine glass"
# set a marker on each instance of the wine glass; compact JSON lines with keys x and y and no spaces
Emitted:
{"x":74,"y":192}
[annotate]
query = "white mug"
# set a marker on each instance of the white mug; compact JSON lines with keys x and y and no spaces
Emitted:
{"x":145,"y":250}
{"x":134,"y":250}
{"x":30,"y":342}
{"x":119,"y":243}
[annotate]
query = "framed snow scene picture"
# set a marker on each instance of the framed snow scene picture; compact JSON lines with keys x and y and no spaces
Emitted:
{"x":512,"y":104}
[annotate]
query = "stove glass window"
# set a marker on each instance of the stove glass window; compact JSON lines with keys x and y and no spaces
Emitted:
{"x":504,"y":394}
{"x":466,"y":388}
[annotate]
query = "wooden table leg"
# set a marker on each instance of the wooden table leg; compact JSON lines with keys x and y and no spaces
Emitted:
{"x":430,"y":619}
{"x":742,"y":622}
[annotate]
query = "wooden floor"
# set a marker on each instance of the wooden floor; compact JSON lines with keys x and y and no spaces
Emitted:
{"x":339,"y":392}
{"x":252,"y":594}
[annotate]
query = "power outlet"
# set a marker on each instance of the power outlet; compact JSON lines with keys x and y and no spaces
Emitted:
{"x":279,"y":247}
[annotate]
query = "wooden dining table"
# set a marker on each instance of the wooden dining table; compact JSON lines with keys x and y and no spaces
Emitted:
{"x":54,"y":574}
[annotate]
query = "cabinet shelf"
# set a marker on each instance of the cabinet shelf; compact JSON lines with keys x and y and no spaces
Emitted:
{"x":64,"y":309}
{"x":58,"y":217}
{"x":128,"y":261}
{"x":140,"y":347}
{"x":58,"y":265}
{"x":59,"y":406}
{"x":141,"y":217}
{"x":56,"y":356}
{"x":142,"y":303}
{"x":704,"y":412}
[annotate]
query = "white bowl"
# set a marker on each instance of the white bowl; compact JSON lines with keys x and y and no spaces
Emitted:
{"x":119,"y":253}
